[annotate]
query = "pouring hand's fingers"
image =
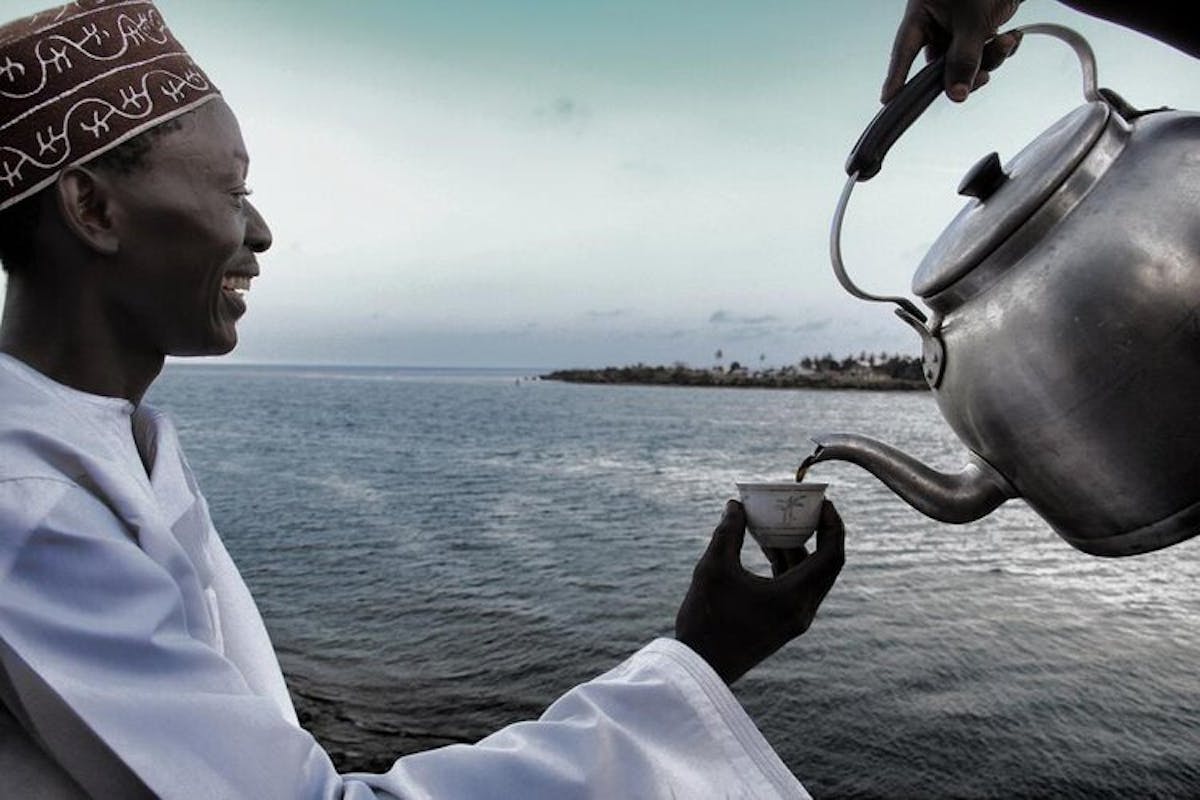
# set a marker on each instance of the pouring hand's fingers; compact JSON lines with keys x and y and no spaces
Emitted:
{"x":910,"y":38}
{"x":999,"y":48}
{"x":963,"y":58}
{"x":994,"y":54}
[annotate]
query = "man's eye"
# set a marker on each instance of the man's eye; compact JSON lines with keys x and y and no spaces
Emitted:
{"x":240,"y":193}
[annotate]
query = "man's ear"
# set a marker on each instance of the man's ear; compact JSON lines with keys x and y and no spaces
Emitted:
{"x":85,"y":200}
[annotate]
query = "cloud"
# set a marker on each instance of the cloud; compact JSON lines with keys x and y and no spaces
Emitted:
{"x":564,"y":112}
{"x":812,"y":326}
{"x":606,"y":314}
{"x":726,"y":318}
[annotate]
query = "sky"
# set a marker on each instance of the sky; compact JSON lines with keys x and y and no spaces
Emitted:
{"x":556,"y":183}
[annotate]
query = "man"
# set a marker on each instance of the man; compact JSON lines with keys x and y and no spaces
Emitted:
{"x":133,"y":661}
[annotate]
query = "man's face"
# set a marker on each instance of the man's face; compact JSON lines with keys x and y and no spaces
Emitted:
{"x":188,"y":239}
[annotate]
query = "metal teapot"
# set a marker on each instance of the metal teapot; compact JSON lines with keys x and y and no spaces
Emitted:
{"x":1063,"y":339}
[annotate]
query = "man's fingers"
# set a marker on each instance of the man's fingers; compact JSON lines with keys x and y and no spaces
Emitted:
{"x":1011,"y":40}
{"x":819,"y":571}
{"x":784,"y":558}
{"x":998,"y":48}
{"x":778,"y":563}
{"x":831,"y":536}
{"x":909,"y":41}
{"x":963,"y":57}
{"x":834,"y":542}
{"x":727,"y":538}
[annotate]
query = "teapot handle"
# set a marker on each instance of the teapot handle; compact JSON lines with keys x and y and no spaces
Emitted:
{"x":922,"y":89}
{"x":866,"y":159}
{"x":889,"y":125}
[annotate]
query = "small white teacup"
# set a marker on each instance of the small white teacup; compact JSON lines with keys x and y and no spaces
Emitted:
{"x":781,"y":514}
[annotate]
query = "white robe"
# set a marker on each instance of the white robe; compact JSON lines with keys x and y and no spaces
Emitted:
{"x":134,"y":663}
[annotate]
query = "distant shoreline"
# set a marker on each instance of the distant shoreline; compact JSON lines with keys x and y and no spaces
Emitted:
{"x":856,"y":377}
{"x":882,"y":373}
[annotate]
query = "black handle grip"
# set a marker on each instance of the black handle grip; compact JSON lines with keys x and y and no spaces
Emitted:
{"x":894,"y":119}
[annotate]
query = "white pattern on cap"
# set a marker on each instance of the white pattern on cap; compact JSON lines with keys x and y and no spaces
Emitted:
{"x":80,"y":79}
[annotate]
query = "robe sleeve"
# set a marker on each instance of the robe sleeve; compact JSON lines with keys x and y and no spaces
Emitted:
{"x":661,"y":725}
{"x":99,"y":668}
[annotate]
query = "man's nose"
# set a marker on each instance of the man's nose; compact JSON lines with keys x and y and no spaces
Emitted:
{"x":258,"y":235}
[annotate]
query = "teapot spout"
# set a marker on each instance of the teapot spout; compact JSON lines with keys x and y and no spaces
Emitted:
{"x":957,"y":497}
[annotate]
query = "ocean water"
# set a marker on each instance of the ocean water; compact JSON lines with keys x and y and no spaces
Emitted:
{"x":439,"y":553}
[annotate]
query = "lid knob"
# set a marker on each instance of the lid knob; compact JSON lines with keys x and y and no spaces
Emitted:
{"x":983,"y":179}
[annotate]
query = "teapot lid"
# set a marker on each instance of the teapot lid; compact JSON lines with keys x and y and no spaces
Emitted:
{"x":1003,"y":200}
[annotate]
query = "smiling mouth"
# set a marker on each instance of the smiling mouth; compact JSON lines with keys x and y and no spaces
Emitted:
{"x":238,"y":284}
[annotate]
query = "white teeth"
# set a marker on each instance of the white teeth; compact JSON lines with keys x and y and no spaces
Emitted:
{"x":236,"y":283}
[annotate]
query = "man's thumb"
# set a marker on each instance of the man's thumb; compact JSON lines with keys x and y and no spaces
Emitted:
{"x":729,"y":534}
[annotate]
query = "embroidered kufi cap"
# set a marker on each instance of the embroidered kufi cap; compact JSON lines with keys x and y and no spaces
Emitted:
{"x":80,"y":79}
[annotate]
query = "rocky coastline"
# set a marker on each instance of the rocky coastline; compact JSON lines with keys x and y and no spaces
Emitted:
{"x":896,"y":373}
